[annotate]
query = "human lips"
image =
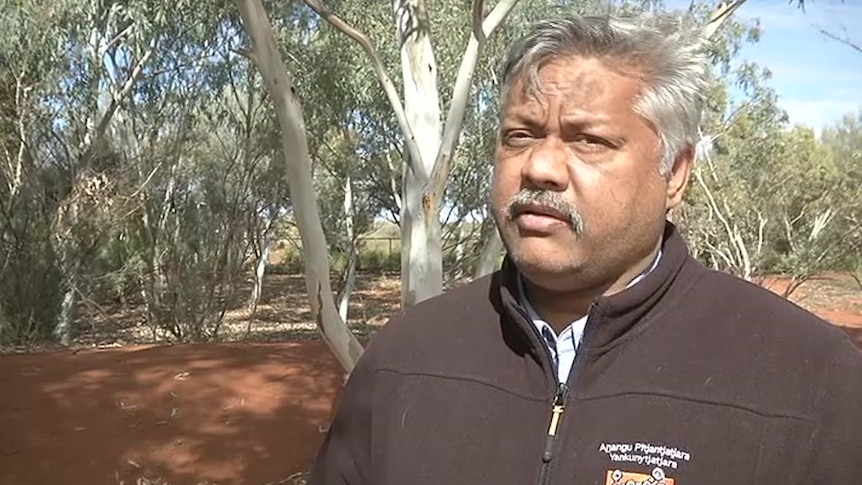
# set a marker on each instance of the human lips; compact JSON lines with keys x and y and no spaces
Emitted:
{"x":541,"y":210}
{"x":540,"y":219}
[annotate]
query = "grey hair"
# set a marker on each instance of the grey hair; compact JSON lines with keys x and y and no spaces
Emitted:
{"x":666,"y":51}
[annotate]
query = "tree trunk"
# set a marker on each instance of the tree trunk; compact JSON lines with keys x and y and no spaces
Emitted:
{"x":262,"y":253}
{"x":422,"y":248}
{"x":70,"y":267}
{"x":350,"y":278}
{"x":491,"y":249}
{"x":266,"y":57}
{"x":63,"y":329}
{"x":93,"y":139}
{"x":259,"y":272}
{"x":461,"y":250}
{"x":349,"y":285}
{"x":429,"y":152}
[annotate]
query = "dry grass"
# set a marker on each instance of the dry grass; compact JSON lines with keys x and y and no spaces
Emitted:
{"x":283,"y":314}
{"x":828,"y":291}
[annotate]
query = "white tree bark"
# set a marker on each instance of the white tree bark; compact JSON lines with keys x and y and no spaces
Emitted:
{"x":16,"y":168}
{"x":260,"y":266}
{"x":491,"y":250}
{"x":279,"y":85}
{"x":350,"y":279}
{"x":721,"y":13}
{"x":426,"y":169}
{"x":422,"y":245}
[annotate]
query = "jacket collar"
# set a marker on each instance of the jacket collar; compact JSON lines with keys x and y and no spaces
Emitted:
{"x":612,"y":317}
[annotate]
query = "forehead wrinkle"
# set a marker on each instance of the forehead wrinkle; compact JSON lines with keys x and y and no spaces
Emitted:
{"x":583,"y":103}
{"x":582,"y":84}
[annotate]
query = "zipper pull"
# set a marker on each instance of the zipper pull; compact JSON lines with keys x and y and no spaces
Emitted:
{"x":559,"y":407}
{"x":556,"y":416}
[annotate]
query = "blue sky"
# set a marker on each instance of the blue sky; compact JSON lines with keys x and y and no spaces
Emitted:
{"x":817,"y":79}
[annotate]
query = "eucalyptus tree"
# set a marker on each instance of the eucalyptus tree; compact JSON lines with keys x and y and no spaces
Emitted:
{"x":843,"y":139}
{"x":29,"y":281}
{"x":136,"y":149}
{"x":76,"y":65}
{"x":205,"y":186}
{"x":420,"y":172}
{"x":766,"y":197}
{"x":428,"y":142}
{"x":109,"y":49}
{"x":266,"y":56}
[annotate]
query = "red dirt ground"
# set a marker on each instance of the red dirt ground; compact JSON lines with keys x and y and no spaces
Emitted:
{"x":224,"y":414}
{"x":184,"y":415}
{"x":229,"y":413}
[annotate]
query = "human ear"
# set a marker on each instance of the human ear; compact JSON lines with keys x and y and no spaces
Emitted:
{"x":677,"y":179}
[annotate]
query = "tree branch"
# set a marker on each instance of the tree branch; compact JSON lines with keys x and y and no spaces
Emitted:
{"x":478,"y":14}
{"x":250,"y":55}
{"x":105,"y":48}
{"x":720,"y":253}
{"x":715,"y":208}
{"x":463,"y":82}
{"x":117,"y":97}
{"x":845,"y":41}
{"x":719,"y":16}
{"x":20,"y":100}
{"x":414,"y":157}
{"x":393,"y":185}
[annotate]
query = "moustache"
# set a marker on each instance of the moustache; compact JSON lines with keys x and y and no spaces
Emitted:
{"x":545,"y":201}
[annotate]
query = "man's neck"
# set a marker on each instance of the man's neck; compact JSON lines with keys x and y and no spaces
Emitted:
{"x":561,"y":308}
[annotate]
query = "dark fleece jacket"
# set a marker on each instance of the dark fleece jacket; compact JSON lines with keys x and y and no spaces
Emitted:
{"x":689,"y":377}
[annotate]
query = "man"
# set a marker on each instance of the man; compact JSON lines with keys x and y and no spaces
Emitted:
{"x":601,"y":352}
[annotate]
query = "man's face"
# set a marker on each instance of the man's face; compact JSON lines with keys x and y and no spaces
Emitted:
{"x":577,"y":191}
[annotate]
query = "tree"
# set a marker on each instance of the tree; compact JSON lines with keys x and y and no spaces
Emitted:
{"x":136,"y":162}
{"x":844,"y":39}
{"x":766,"y":198}
{"x":266,"y":57}
{"x":426,"y":163}
{"x":430,"y":144}
{"x":844,"y":141}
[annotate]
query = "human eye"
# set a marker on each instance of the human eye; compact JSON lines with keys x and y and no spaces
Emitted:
{"x":592,"y":143}
{"x":517,"y":137}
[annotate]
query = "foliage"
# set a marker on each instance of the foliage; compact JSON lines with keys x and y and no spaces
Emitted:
{"x":140,"y":163}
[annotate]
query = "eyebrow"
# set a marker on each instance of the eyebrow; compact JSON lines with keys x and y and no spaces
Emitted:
{"x":522,"y":118}
{"x":584,"y":120}
{"x":579,"y":120}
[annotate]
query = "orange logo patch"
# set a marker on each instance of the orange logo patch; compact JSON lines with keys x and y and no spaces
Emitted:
{"x":619,"y":477}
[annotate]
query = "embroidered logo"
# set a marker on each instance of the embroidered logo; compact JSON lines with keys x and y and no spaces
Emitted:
{"x":657,"y":477}
{"x":646,"y":455}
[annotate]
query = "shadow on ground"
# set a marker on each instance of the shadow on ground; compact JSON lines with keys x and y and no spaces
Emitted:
{"x":223,"y":414}
{"x":249,"y":414}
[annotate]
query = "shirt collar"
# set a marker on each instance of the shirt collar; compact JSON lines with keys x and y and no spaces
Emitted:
{"x":616,"y":314}
{"x":534,"y":315}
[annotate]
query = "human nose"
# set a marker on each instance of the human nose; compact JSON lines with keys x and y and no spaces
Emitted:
{"x":546,"y":167}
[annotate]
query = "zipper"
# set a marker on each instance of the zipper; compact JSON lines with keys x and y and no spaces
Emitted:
{"x":559,"y":407}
